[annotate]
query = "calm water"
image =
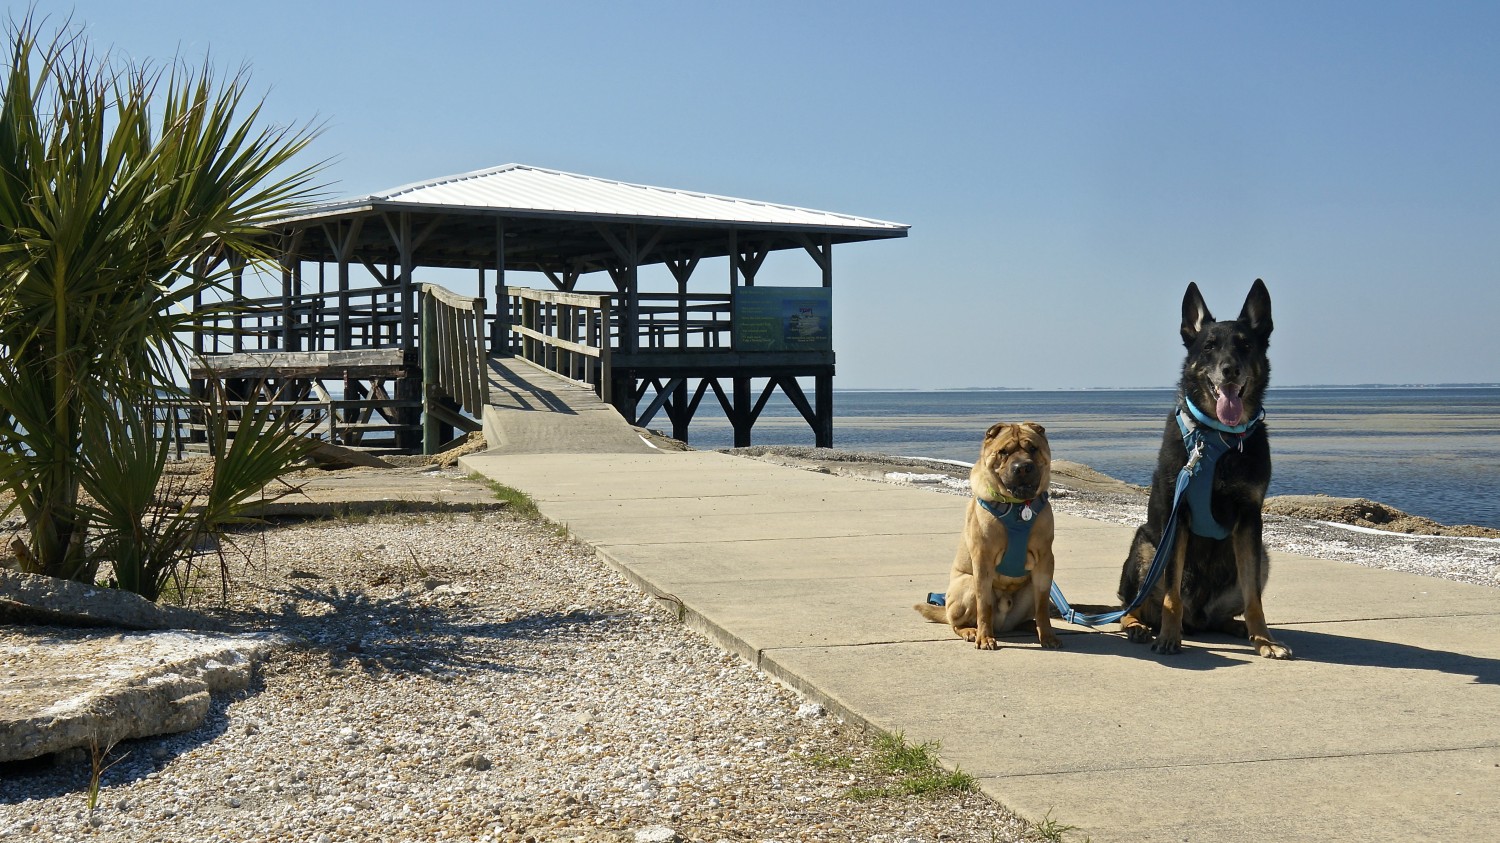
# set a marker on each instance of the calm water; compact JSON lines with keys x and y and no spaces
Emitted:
{"x":1429,"y":451}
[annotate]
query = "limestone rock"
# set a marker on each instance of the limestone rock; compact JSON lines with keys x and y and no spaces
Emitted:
{"x":32,"y":598}
{"x":71,"y":688}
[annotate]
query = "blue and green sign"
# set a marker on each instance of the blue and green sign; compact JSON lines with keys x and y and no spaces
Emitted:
{"x":783,"y":319}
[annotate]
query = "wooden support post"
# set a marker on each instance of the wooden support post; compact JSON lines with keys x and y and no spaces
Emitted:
{"x":631,"y":327}
{"x":432,"y":435}
{"x":823,"y":430}
{"x":827,"y":262}
{"x":500,"y":332}
{"x":408,"y":295}
{"x":284,"y":339}
{"x":237,"y":273}
{"x":606,"y":367}
{"x":680,"y":413}
{"x":742,"y":418}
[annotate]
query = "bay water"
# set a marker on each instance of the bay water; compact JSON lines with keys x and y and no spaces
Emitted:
{"x":1430,"y":451}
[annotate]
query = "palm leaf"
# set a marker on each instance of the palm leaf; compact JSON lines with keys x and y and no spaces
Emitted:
{"x":115,"y":182}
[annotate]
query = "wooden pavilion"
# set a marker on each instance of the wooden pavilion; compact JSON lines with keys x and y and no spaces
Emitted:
{"x":409,"y":358}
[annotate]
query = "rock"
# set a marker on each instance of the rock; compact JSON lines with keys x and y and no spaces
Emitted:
{"x":1363,"y":512}
{"x":656,"y":834}
{"x":70,"y":690}
{"x":810,"y":711}
{"x":476,"y":761}
{"x":32,"y":598}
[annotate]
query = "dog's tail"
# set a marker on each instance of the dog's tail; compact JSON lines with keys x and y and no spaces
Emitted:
{"x":935,"y":614}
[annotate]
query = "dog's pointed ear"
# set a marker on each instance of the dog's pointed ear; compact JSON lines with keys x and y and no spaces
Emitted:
{"x":1257,"y":310}
{"x":1195,"y":315}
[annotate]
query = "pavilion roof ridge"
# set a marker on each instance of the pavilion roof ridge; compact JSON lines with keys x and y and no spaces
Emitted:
{"x":526,"y":187}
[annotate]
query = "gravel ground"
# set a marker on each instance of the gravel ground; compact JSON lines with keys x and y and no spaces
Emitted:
{"x":484,"y":678}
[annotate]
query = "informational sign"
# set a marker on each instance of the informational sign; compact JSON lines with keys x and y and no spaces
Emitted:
{"x":783,"y":319}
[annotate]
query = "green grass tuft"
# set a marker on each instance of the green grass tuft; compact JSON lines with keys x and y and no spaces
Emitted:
{"x":1051,"y":830}
{"x":915,"y":768}
{"x":515,"y":500}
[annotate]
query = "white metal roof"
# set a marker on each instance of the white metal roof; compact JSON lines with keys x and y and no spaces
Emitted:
{"x":525,"y":189}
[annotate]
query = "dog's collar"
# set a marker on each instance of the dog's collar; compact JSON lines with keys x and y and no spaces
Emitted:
{"x":1014,"y":509}
{"x":1211,"y":422}
{"x":1000,"y":496}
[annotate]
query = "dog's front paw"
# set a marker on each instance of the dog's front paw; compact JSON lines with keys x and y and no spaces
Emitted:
{"x":1271,"y":649}
{"x":1167,"y":645}
{"x":1137,"y":632}
{"x":986,"y":642}
{"x":1049,"y":641}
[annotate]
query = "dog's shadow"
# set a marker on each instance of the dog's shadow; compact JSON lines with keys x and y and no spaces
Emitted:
{"x":1214,"y":651}
{"x":1327,"y":648}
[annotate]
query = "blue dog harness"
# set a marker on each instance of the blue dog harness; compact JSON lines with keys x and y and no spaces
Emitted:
{"x":1016,"y":517}
{"x":1195,"y":485}
{"x":1204,"y":448}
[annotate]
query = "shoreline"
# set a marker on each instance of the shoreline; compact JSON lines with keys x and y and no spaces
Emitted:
{"x":1338,"y":529}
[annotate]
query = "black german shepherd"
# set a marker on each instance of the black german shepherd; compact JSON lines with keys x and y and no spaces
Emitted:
{"x":1208,"y":581}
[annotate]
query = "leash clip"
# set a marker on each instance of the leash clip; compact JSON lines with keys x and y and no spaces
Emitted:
{"x":1195,"y":457}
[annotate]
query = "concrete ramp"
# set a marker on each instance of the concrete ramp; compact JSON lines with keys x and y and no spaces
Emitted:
{"x":534,"y":411}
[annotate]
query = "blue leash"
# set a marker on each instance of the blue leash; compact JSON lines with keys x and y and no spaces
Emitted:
{"x":1203,"y":451}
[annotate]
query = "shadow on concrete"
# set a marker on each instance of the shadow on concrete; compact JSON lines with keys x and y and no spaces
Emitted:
{"x":1210,"y":651}
{"x":1327,"y":648}
{"x":522,"y":394}
{"x":1200,"y":651}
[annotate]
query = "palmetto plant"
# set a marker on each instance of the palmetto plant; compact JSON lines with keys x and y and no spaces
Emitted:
{"x":119,"y":188}
{"x":150,"y":531}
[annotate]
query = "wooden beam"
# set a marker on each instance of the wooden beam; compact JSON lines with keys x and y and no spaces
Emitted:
{"x":384,"y":279}
{"x":663,"y":393}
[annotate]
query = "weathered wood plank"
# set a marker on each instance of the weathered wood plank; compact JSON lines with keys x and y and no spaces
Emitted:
{"x":369,"y":362}
{"x":575,"y":347}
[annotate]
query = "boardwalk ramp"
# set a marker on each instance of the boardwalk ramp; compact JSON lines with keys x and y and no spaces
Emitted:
{"x":533,"y":411}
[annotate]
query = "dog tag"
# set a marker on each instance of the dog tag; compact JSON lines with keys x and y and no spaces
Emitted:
{"x":1026,"y":512}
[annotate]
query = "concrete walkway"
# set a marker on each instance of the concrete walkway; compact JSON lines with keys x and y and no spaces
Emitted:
{"x":1386,"y":727}
{"x":534,"y":411}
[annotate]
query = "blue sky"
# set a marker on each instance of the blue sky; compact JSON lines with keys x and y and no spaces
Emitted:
{"x":1067,"y":168}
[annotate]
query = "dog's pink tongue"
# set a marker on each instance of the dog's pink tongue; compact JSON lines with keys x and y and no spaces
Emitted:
{"x":1230,"y":409}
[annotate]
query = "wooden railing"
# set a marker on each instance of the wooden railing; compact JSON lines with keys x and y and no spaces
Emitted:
{"x":567,"y":333}
{"x":668,"y":320}
{"x":331,"y":321}
{"x":455,"y":362}
{"x":184,"y":423}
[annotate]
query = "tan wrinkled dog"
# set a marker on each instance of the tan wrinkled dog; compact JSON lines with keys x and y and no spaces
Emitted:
{"x":1013,"y":472}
